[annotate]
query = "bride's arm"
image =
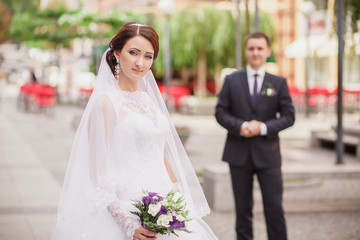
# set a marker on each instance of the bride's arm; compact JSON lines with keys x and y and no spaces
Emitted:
{"x":129,"y":224}
{"x":170,"y":171}
{"x":176,"y":185}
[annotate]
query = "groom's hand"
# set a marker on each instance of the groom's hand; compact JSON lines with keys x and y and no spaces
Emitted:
{"x":244,"y":131}
{"x":252,"y":129}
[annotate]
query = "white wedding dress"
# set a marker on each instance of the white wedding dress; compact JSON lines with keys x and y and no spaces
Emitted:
{"x":118,"y":152}
{"x":139,"y":133}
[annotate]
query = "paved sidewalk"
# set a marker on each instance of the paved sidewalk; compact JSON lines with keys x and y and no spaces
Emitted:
{"x":322,"y":200}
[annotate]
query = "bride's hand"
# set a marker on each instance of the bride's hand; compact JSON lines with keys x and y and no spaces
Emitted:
{"x":144,"y":234}
{"x":177,"y":187}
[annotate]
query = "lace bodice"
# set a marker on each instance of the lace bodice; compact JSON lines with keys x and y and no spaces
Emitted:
{"x":136,"y":102}
{"x":138,"y":142}
{"x":137,"y":147}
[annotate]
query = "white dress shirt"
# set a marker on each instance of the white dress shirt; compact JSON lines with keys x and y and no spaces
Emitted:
{"x":251,"y":78}
{"x":260,"y":78}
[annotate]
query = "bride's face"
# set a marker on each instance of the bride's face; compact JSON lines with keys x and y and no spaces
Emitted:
{"x":135,"y":58}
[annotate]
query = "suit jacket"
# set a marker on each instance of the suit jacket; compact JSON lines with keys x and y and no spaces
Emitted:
{"x":273,"y":106}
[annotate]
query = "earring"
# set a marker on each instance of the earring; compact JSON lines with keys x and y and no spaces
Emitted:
{"x":117,"y":70}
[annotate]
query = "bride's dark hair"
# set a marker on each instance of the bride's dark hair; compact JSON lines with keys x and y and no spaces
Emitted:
{"x":127,"y":32}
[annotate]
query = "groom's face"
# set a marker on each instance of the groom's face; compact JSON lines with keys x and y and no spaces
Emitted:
{"x":256,"y":52}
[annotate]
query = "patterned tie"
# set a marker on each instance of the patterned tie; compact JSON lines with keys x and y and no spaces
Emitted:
{"x":254,"y":95}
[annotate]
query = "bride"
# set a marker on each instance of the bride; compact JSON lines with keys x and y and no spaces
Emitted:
{"x":126,"y":143}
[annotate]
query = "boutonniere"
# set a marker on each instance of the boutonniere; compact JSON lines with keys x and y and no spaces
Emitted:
{"x":269,"y":91}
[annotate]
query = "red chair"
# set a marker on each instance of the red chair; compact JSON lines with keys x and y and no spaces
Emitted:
{"x":25,"y":96}
{"x":45,"y":96}
{"x":211,"y":87}
{"x":35,"y":96}
{"x":175,"y":93}
{"x":298,"y":97}
{"x":322,"y":98}
{"x":351,"y":99}
{"x":84,"y":96}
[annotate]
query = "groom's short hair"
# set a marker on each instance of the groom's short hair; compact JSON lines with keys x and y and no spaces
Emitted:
{"x":258,"y":35}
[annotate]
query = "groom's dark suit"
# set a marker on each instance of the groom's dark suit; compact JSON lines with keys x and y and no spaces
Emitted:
{"x":259,"y":154}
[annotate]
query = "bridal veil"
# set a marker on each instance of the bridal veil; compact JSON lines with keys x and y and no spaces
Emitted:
{"x":90,"y":182}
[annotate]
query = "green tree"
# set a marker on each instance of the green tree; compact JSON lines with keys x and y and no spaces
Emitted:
{"x":192,"y":36}
{"x":352,"y":8}
{"x":5,"y":22}
{"x":41,"y":28}
{"x":21,"y":5}
{"x":98,"y":26}
{"x":58,"y":26}
{"x":203,"y":41}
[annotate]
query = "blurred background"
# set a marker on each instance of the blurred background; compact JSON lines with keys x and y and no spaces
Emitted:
{"x":63,"y":41}
{"x":49,"y":54}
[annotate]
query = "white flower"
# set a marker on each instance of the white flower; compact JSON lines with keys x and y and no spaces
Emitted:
{"x":154,"y":209}
{"x":177,"y":195}
{"x":164,"y":220}
{"x":180,"y":218}
{"x":163,"y":202}
{"x":269,"y":92}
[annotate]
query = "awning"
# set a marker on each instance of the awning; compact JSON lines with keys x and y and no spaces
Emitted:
{"x":298,"y":48}
{"x":321,"y":46}
{"x":330,"y":48}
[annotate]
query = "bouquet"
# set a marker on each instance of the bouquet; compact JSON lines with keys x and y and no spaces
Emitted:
{"x":162,"y":214}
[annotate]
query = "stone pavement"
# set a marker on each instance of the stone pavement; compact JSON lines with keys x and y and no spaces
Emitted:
{"x":321,"y":199}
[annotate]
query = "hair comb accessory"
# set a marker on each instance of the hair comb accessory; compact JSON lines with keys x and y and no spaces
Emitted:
{"x":138,"y":24}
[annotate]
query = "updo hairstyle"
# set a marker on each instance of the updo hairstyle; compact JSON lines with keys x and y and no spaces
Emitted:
{"x":127,"y":32}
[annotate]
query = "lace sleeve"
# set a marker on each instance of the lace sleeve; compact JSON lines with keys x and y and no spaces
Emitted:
{"x":128,"y":223}
{"x":106,"y":184}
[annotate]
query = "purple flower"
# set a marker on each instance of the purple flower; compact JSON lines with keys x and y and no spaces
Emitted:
{"x":146,"y":199}
{"x":152,"y":194}
{"x":163,"y":211}
{"x":152,"y":198}
{"x":159,"y":198}
{"x":175,"y":224}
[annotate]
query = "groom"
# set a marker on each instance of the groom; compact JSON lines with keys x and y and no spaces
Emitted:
{"x":254,"y":106}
